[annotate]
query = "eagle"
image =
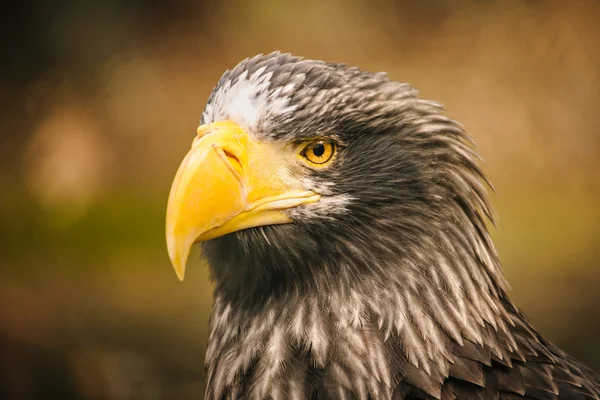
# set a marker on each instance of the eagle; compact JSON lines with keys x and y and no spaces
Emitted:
{"x":345,"y":223}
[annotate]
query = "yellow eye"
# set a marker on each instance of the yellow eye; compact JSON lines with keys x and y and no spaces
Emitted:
{"x":319,"y":152}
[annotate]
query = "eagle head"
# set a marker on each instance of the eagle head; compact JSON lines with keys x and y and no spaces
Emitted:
{"x":344,"y":221}
{"x":306,"y":174}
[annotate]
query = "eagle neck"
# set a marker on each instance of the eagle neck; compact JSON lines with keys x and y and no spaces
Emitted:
{"x":373,"y":329}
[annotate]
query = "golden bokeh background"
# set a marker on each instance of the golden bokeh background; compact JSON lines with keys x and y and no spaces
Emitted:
{"x":100,"y":101}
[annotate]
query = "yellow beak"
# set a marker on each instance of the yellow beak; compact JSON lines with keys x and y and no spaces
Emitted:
{"x":227,"y":182}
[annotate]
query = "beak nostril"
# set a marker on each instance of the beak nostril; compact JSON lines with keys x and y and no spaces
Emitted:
{"x":229,"y":154}
{"x":233,"y":162}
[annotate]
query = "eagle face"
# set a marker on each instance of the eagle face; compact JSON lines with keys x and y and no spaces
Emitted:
{"x":344,"y":222}
{"x":360,"y":150}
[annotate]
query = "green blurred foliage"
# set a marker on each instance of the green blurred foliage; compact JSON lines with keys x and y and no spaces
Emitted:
{"x":100,"y":101}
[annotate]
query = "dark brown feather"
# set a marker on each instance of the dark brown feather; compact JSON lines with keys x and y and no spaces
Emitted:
{"x":468,"y":370}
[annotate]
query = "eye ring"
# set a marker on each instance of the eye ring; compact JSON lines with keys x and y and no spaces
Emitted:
{"x":319,"y":152}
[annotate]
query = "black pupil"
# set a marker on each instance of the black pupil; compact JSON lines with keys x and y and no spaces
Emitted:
{"x":318,"y":149}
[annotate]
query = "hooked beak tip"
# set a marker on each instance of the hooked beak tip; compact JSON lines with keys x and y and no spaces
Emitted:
{"x":178,"y":254}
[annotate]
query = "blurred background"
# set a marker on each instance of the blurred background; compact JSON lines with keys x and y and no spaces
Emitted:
{"x":99,"y":102}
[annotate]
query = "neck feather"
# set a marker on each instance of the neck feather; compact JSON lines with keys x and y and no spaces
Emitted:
{"x":364,"y":331}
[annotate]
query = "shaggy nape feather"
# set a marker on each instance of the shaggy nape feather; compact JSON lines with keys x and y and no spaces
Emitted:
{"x":390,"y":287}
